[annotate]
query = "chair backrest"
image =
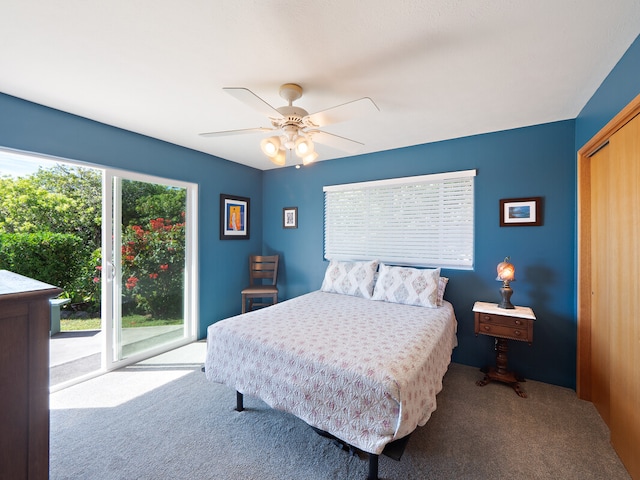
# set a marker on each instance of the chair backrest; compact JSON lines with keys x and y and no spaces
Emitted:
{"x":263,"y":269}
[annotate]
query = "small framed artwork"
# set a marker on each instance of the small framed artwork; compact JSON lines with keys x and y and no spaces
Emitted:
{"x":290,"y":217}
{"x":234,"y":217}
{"x":521,"y":212}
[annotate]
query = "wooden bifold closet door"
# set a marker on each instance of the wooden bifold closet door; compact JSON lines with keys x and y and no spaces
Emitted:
{"x":609,"y":355}
{"x":602,"y":280}
{"x":625,"y":331}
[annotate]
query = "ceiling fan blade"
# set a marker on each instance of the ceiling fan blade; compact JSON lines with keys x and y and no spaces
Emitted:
{"x":249,"y":98}
{"x":335,"y":141}
{"x":341,"y":113}
{"x":237,"y":132}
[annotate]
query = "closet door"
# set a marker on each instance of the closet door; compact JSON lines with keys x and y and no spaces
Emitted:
{"x":602,"y":278}
{"x":625,"y":315}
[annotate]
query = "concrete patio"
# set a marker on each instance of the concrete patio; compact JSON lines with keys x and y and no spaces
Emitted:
{"x":73,"y":354}
{"x":76,"y":353}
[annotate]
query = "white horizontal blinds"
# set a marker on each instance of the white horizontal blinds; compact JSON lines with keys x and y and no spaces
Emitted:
{"x":425,"y":220}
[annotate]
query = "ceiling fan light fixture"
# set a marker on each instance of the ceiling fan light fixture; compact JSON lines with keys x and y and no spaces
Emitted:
{"x":303,"y":147}
{"x":270,"y":146}
{"x":298,"y":129}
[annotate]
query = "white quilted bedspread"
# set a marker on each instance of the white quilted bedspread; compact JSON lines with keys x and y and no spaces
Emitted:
{"x":365,"y":371}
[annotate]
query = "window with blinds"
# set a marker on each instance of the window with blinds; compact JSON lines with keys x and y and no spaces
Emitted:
{"x":424,"y":221}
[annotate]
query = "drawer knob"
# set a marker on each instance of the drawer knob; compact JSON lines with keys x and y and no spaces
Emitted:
{"x":487,"y":328}
{"x":518,"y":322}
{"x":516,"y":333}
{"x":487,"y":318}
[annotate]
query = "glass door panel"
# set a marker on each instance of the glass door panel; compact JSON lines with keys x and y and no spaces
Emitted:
{"x":151,"y":253}
{"x":150,"y":290}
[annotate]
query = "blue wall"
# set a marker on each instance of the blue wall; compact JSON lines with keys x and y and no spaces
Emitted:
{"x":526,"y":162}
{"x":620,"y":87}
{"x":30,"y":127}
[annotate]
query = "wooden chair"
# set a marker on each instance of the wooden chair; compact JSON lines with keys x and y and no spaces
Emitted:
{"x":263,"y":276}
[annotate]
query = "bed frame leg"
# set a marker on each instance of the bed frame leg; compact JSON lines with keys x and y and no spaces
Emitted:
{"x":239,"y":402}
{"x":373,"y":467}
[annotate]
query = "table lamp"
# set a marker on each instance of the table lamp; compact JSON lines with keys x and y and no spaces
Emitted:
{"x":506,"y":274}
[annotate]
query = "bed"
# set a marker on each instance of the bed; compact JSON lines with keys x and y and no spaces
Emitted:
{"x":362,"y":368}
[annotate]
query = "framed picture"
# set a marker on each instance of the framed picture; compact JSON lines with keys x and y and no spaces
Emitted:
{"x":290,"y":217}
{"x":234,"y":217}
{"x":521,"y":212}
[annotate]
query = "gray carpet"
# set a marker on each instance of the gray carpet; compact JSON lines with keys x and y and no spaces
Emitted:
{"x":161,"y":419}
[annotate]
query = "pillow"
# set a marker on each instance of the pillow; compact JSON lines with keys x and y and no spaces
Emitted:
{"x":442,"y":284}
{"x":411,"y":286}
{"x":350,"y":278}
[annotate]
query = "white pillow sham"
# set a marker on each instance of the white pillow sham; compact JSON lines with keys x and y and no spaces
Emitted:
{"x":410,"y":286}
{"x":350,"y":278}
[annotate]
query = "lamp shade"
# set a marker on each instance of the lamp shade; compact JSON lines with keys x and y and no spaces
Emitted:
{"x":506,"y":271}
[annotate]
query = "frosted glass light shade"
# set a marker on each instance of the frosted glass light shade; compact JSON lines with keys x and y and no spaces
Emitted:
{"x":304,"y":147}
{"x":307,"y":159}
{"x":280,"y":158}
{"x":270,"y":146}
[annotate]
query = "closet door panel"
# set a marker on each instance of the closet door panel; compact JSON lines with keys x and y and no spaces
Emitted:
{"x":625,"y":319}
{"x":602,"y":280}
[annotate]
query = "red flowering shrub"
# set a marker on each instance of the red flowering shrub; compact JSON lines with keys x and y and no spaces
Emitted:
{"x":153,"y":268}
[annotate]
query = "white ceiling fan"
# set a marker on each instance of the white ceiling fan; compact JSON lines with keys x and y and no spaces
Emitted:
{"x":298,"y":130}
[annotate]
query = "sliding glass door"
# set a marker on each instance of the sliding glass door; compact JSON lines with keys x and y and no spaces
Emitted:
{"x":149,"y":303}
{"x":126,"y":258}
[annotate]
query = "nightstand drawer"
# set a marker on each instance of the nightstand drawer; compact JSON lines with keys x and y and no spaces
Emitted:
{"x":504,"y":331}
{"x":502,"y":320}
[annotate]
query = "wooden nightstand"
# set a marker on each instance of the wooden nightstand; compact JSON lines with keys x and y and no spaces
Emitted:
{"x":503,"y":324}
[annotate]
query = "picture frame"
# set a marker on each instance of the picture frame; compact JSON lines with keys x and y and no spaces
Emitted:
{"x":290,"y":217}
{"x":521,"y":212}
{"x":234,"y":217}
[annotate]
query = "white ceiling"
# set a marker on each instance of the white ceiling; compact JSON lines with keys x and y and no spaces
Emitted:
{"x":437,"y":69}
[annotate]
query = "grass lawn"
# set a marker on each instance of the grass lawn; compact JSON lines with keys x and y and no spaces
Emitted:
{"x":130,"y":321}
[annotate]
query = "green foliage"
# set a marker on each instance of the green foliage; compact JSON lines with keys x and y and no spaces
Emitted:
{"x":87,"y":285}
{"x":53,"y":258}
{"x":83,"y":187}
{"x":61,"y":208}
{"x":26,"y":208}
{"x":168,"y":204}
{"x":142,"y":202}
{"x":61,"y":199}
